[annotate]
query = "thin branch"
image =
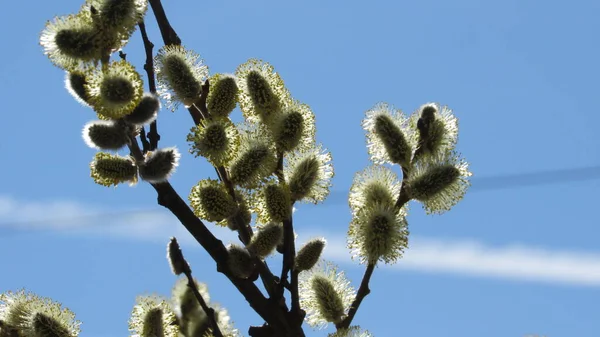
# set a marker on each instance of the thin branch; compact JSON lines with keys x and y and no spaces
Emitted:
{"x":210,"y":312}
{"x":261,"y":331}
{"x":153,"y":135}
{"x":289,"y":256}
{"x":199,"y":111}
{"x":144,"y":140}
{"x":170,"y":199}
{"x":179,"y":265}
{"x":362,"y":292}
{"x":274,"y":315}
{"x":201,"y":104}
{"x":297,"y":313}
{"x":404,"y":196}
{"x":279,"y":169}
{"x":289,"y":252}
{"x":168,"y":33}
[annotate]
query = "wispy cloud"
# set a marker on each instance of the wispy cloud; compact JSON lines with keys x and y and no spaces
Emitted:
{"x":461,"y":257}
{"x":471,"y":257}
{"x":150,"y":224}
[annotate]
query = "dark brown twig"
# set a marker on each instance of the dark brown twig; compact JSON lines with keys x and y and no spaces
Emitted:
{"x":362,"y":292}
{"x":144,"y":140}
{"x":168,"y":33}
{"x":170,"y":199}
{"x":289,"y":252}
{"x":279,"y":169}
{"x":261,"y":331}
{"x":297,"y":313}
{"x":210,"y":312}
{"x":153,"y":136}
{"x":274,"y":315}
{"x":289,"y":256}
{"x":180,"y":265}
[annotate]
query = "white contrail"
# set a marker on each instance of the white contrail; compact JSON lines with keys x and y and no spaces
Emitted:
{"x":461,"y":257}
{"x":470,"y":257}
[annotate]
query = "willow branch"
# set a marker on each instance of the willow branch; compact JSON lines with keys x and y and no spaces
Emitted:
{"x":274,"y":317}
{"x":170,"y":199}
{"x":289,"y":256}
{"x":153,"y":136}
{"x":168,"y":33}
{"x":210,"y":312}
{"x":297,"y":312}
{"x":362,"y":292}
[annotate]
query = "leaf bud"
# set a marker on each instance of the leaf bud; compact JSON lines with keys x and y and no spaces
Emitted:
{"x":77,"y":43}
{"x":216,"y":139}
{"x":153,"y":323}
{"x":75,"y":83}
{"x":184,"y":301}
{"x":222,"y":96}
{"x":180,"y":74}
{"x":393,"y":139}
{"x":115,"y":89}
{"x":266,"y":102}
{"x":44,"y":325}
{"x":256,"y":162}
{"x":433,"y":181}
{"x":145,"y":112}
{"x":176,"y":260}
{"x":288,"y":130}
{"x":266,"y":239}
{"x":304,"y":177}
{"x":108,"y":170}
{"x":240,"y":262}
{"x":210,"y":200}
{"x":437,"y":131}
{"x":278,"y":203}
{"x":122,"y":16}
{"x":159,"y":165}
{"x":309,"y":254}
{"x":105,"y":135}
{"x":330,"y":304}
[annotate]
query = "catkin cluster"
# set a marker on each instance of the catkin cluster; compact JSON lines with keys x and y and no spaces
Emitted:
{"x":265,"y":164}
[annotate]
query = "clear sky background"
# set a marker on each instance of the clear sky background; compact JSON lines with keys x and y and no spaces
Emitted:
{"x":522,"y":76}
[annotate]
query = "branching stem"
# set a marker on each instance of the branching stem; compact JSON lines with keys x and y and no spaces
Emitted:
{"x":210,"y":312}
{"x":269,"y":310}
{"x":364,"y":290}
{"x":153,"y":136}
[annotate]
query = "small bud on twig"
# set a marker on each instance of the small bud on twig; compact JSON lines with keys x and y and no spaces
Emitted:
{"x":266,"y":239}
{"x":309,"y":254}
{"x":240,"y":262}
{"x":145,"y":112}
{"x":277,"y":202}
{"x":107,"y":169}
{"x":105,"y":135}
{"x":223,"y":95}
{"x":75,"y":83}
{"x":176,"y":260}
{"x":159,"y":165}
{"x":210,"y":200}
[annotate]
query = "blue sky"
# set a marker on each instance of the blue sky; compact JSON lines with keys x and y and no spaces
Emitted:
{"x":520,"y":75}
